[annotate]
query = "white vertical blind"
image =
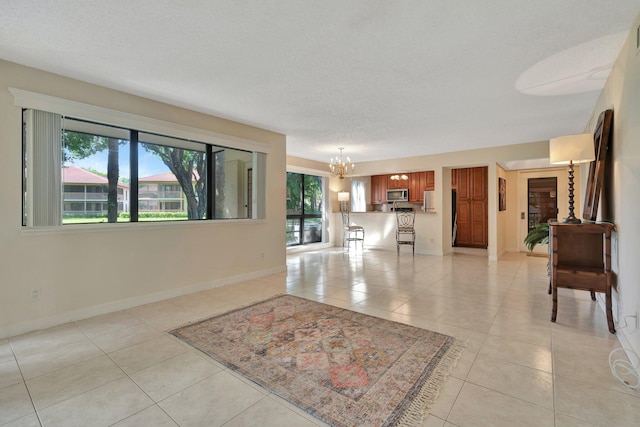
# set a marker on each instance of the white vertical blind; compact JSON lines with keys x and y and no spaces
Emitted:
{"x":259,"y":185}
{"x":358,"y":198}
{"x":43,"y":133}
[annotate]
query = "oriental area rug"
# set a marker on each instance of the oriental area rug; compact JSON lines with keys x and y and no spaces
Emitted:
{"x":343,"y":367}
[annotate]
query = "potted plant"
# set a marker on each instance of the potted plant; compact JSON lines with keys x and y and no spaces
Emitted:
{"x":538,"y":236}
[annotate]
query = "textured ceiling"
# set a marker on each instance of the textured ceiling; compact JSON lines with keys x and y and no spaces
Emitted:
{"x":383,"y":79}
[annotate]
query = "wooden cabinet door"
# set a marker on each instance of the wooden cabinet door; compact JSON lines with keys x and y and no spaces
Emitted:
{"x":472,"y":207}
{"x":463,"y":224}
{"x":479,"y":224}
{"x":463,"y":184}
{"x":417,"y":185}
{"x":478,"y":183}
{"x":374,"y":189}
{"x":430,"y":180}
{"x":382,"y":189}
{"x":393,"y":184}
{"x":378,"y":189}
{"x":413,"y":187}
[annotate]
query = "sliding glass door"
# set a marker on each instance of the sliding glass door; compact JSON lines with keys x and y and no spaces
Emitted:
{"x":304,"y":209}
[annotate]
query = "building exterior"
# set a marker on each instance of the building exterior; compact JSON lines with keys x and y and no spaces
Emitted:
{"x":86,"y":192}
{"x":161,"y":193}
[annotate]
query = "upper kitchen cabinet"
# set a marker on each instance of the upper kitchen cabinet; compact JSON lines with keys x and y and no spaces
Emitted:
{"x":379,"y":189}
{"x":430,"y":183}
{"x":417,"y":185}
{"x":393,"y":184}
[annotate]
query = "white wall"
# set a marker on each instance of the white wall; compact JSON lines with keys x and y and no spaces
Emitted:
{"x":87,"y":270}
{"x":509,"y":219}
{"x":622,"y":93}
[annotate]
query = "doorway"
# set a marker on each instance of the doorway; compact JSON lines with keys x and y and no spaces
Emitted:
{"x":470,"y":207}
{"x":542,"y":181}
{"x":542,"y":201}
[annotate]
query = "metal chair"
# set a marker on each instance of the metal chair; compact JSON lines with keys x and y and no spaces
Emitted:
{"x":405,"y":231}
{"x":351,"y":232}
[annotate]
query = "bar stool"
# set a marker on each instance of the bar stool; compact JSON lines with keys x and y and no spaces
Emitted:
{"x":351,"y":232}
{"x":405,"y":231}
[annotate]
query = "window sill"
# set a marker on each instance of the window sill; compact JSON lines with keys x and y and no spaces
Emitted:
{"x":128,"y":226}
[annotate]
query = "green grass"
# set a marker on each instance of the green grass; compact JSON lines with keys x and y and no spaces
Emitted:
{"x":66,"y":221}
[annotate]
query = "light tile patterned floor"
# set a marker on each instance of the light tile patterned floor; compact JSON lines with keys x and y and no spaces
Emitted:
{"x":518,"y":369}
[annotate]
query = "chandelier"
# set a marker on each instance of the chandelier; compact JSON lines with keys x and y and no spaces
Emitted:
{"x":339,"y":167}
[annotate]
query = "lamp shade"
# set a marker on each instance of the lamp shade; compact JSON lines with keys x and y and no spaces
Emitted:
{"x":343,"y":196}
{"x":571,"y":148}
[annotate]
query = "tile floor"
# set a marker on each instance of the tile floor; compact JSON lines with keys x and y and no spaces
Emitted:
{"x":518,"y":369}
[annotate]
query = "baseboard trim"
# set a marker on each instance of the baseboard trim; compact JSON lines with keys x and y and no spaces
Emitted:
{"x":97,"y":310}
{"x":402,"y":251}
{"x":621,"y":332}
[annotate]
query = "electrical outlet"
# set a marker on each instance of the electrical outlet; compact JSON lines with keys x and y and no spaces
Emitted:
{"x":35,"y":294}
{"x":262,"y":255}
{"x":636,"y":321}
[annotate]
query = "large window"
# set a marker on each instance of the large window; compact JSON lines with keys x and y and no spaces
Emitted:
{"x":172,"y":182}
{"x":304,"y":209}
{"x":79,"y":171}
{"x":95,"y":172}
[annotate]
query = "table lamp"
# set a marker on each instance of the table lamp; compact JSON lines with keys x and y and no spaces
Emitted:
{"x":571,"y":150}
{"x":343,"y":198}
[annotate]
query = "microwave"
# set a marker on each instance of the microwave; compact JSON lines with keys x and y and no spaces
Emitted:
{"x":399,"y":195}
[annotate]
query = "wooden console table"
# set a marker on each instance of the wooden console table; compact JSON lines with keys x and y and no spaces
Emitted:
{"x":581,"y":259}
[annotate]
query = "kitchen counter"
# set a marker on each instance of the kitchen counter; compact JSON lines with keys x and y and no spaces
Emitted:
{"x":418,"y":212}
{"x":380,"y":231}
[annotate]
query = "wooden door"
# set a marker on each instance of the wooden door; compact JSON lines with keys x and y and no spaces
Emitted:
{"x":472,"y":207}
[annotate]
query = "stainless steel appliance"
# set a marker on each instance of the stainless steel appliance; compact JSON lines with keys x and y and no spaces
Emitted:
{"x":429,"y":201}
{"x":398,"y":195}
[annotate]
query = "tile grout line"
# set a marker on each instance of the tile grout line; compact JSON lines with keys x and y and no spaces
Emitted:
{"x":24,"y":382}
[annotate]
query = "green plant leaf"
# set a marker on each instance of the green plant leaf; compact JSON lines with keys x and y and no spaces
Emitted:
{"x":537,"y":236}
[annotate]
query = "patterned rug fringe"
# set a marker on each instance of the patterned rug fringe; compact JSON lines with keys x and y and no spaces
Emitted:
{"x":426,"y":397}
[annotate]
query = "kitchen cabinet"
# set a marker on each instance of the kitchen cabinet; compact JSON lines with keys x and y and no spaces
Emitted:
{"x":430,"y":180}
{"x":379,"y":189}
{"x":393,"y":184}
{"x":417,"y":185}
